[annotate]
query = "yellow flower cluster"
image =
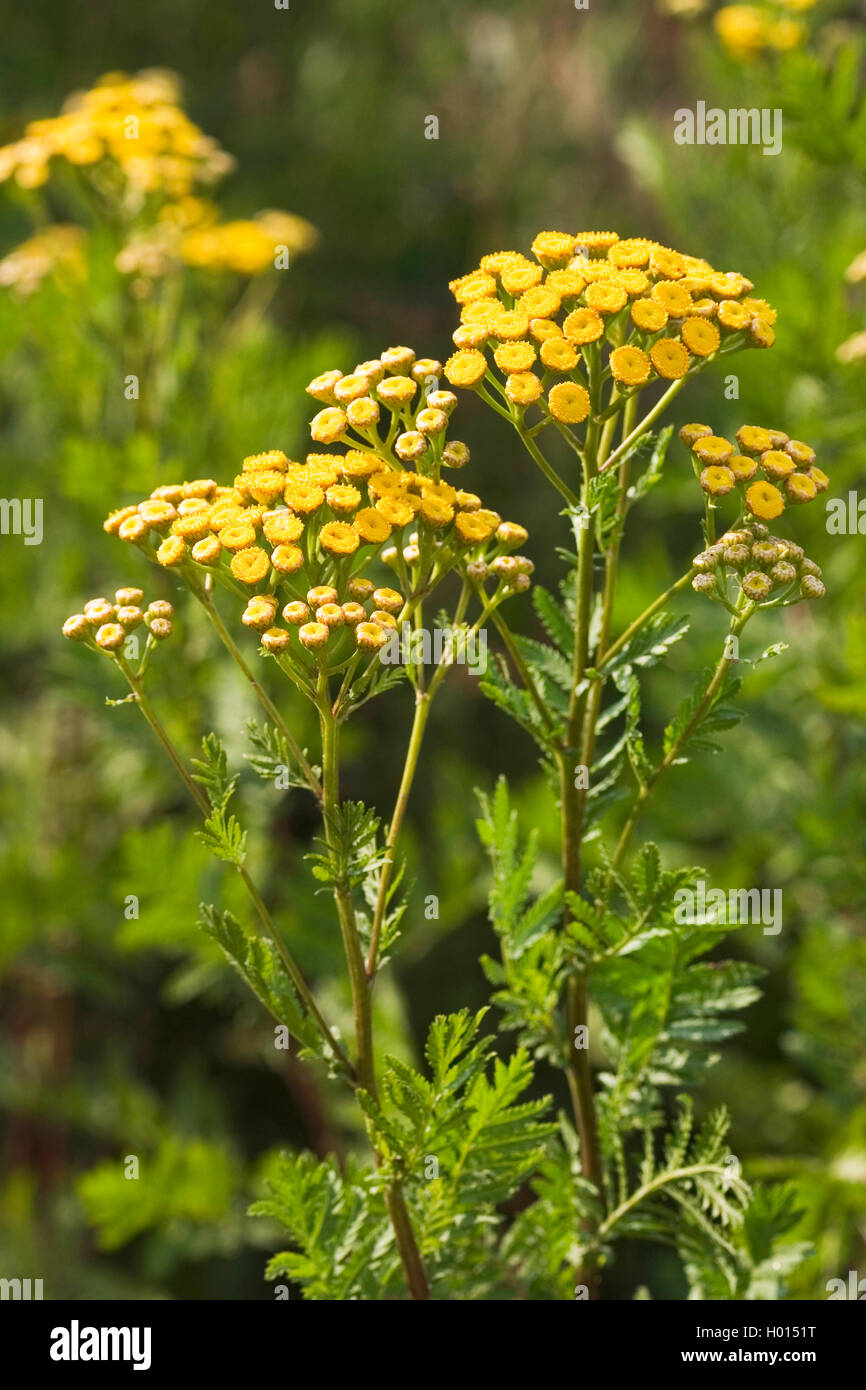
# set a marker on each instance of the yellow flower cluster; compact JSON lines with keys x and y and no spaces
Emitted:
{"x":57,"y":249}
{"x":248,"y":246}
{"x":134,"y":122}
{"x":189,"y":231}
{"x":766,"y":467}
{"x":765,"y":569}
{"x":746,"y":31}
{"x":105,"y":625}
{"x":544,"y":322}
{"x":285,"y":530}
{"x":391,"y":409}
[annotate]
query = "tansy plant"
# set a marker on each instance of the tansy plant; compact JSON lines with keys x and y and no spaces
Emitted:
{"x":563,"y":346}
{"x":322,"y":561}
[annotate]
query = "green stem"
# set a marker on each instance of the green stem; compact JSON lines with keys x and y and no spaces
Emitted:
{"x":416,"y":738}
{"x":203,"y":804}
{"x":649,"y":419}
{"x":206,"y":600}
{"x":398,"y":1212}
{"x":644,"y":617}
{"x":577,"y":1000}
{"x":423,"y":702}
{"x":364,"y":1060}
{"x":647,"y":788}
{"x":547,"y":469}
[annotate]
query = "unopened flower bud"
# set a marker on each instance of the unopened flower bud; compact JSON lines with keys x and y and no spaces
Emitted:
{"x":76,"y":628}
{"x":370,"y":636}
{"x":756,"y":585}
{"x":783,"y":573}
{"x":811,"y":587}
{"x":276,"y":640}
{"x":388,"y":599}
{"x":160,"y":608}
{"x":313,"y":635}
{"x":455,"y":454}
{"x":260,"y":612}
{"x":130,"y":616}
{"x":736,"y":555}
{"x":99,"y":610}
{"x":511,"y":534}
{"x":361,"y":589}
{"x":766,"y":552}
{"x":296,"y":613}
{"x":322,"y":593}
{"x":110,"y":636}
{"x":331,"y":614}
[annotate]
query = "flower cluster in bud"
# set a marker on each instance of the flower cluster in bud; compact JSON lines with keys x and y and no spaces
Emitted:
{"x":766,"y":468}
{"x":392,"y":409}
{"x":591,"y":304}
{"x":104,"y":625}
{"x":749,"y":563}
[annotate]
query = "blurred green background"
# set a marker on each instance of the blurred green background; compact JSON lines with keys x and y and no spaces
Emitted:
{"x":130,"y":1037}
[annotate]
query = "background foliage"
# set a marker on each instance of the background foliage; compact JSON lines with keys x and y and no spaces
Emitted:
{"x":129,"y":1036}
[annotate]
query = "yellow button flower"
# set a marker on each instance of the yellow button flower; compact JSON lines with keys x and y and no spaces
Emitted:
{"x":568,"y":402}
{"x":717,"y":480}
{"x":672,"y":298}
{"x":648,"y":316}
{"x":583,"y":326}
{"x":287,"y":559}
{"x":514,"y":357}
{"x":629,"y":365}
{"x":522,"y":388}
{"x":250,"y":566}
{"x":339,"y":538}
{"x":800,"y":487}
{"x":559,"y":355}
{"x":700,"y":336}
{"x":670,"y":358}
{"x":466,"y":368}
{"x":606,"y":298}
{"x":712,"y":448}
{"x":764,"y":501}
{"x":329,"y":425}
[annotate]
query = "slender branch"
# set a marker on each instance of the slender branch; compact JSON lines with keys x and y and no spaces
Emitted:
{"x":423,"y":702}
{"x":577,"y":1000}
{"x":416,"y":737}
{"x":547,"y":469}
{"x":364,"y":1060}
{"x":201,"y":800}
{"x":206,"y":601}
{"x":646,"y":790}
{"x":617,"y":646}
{"x":523,"y":670}
{"x":650,"y":418}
